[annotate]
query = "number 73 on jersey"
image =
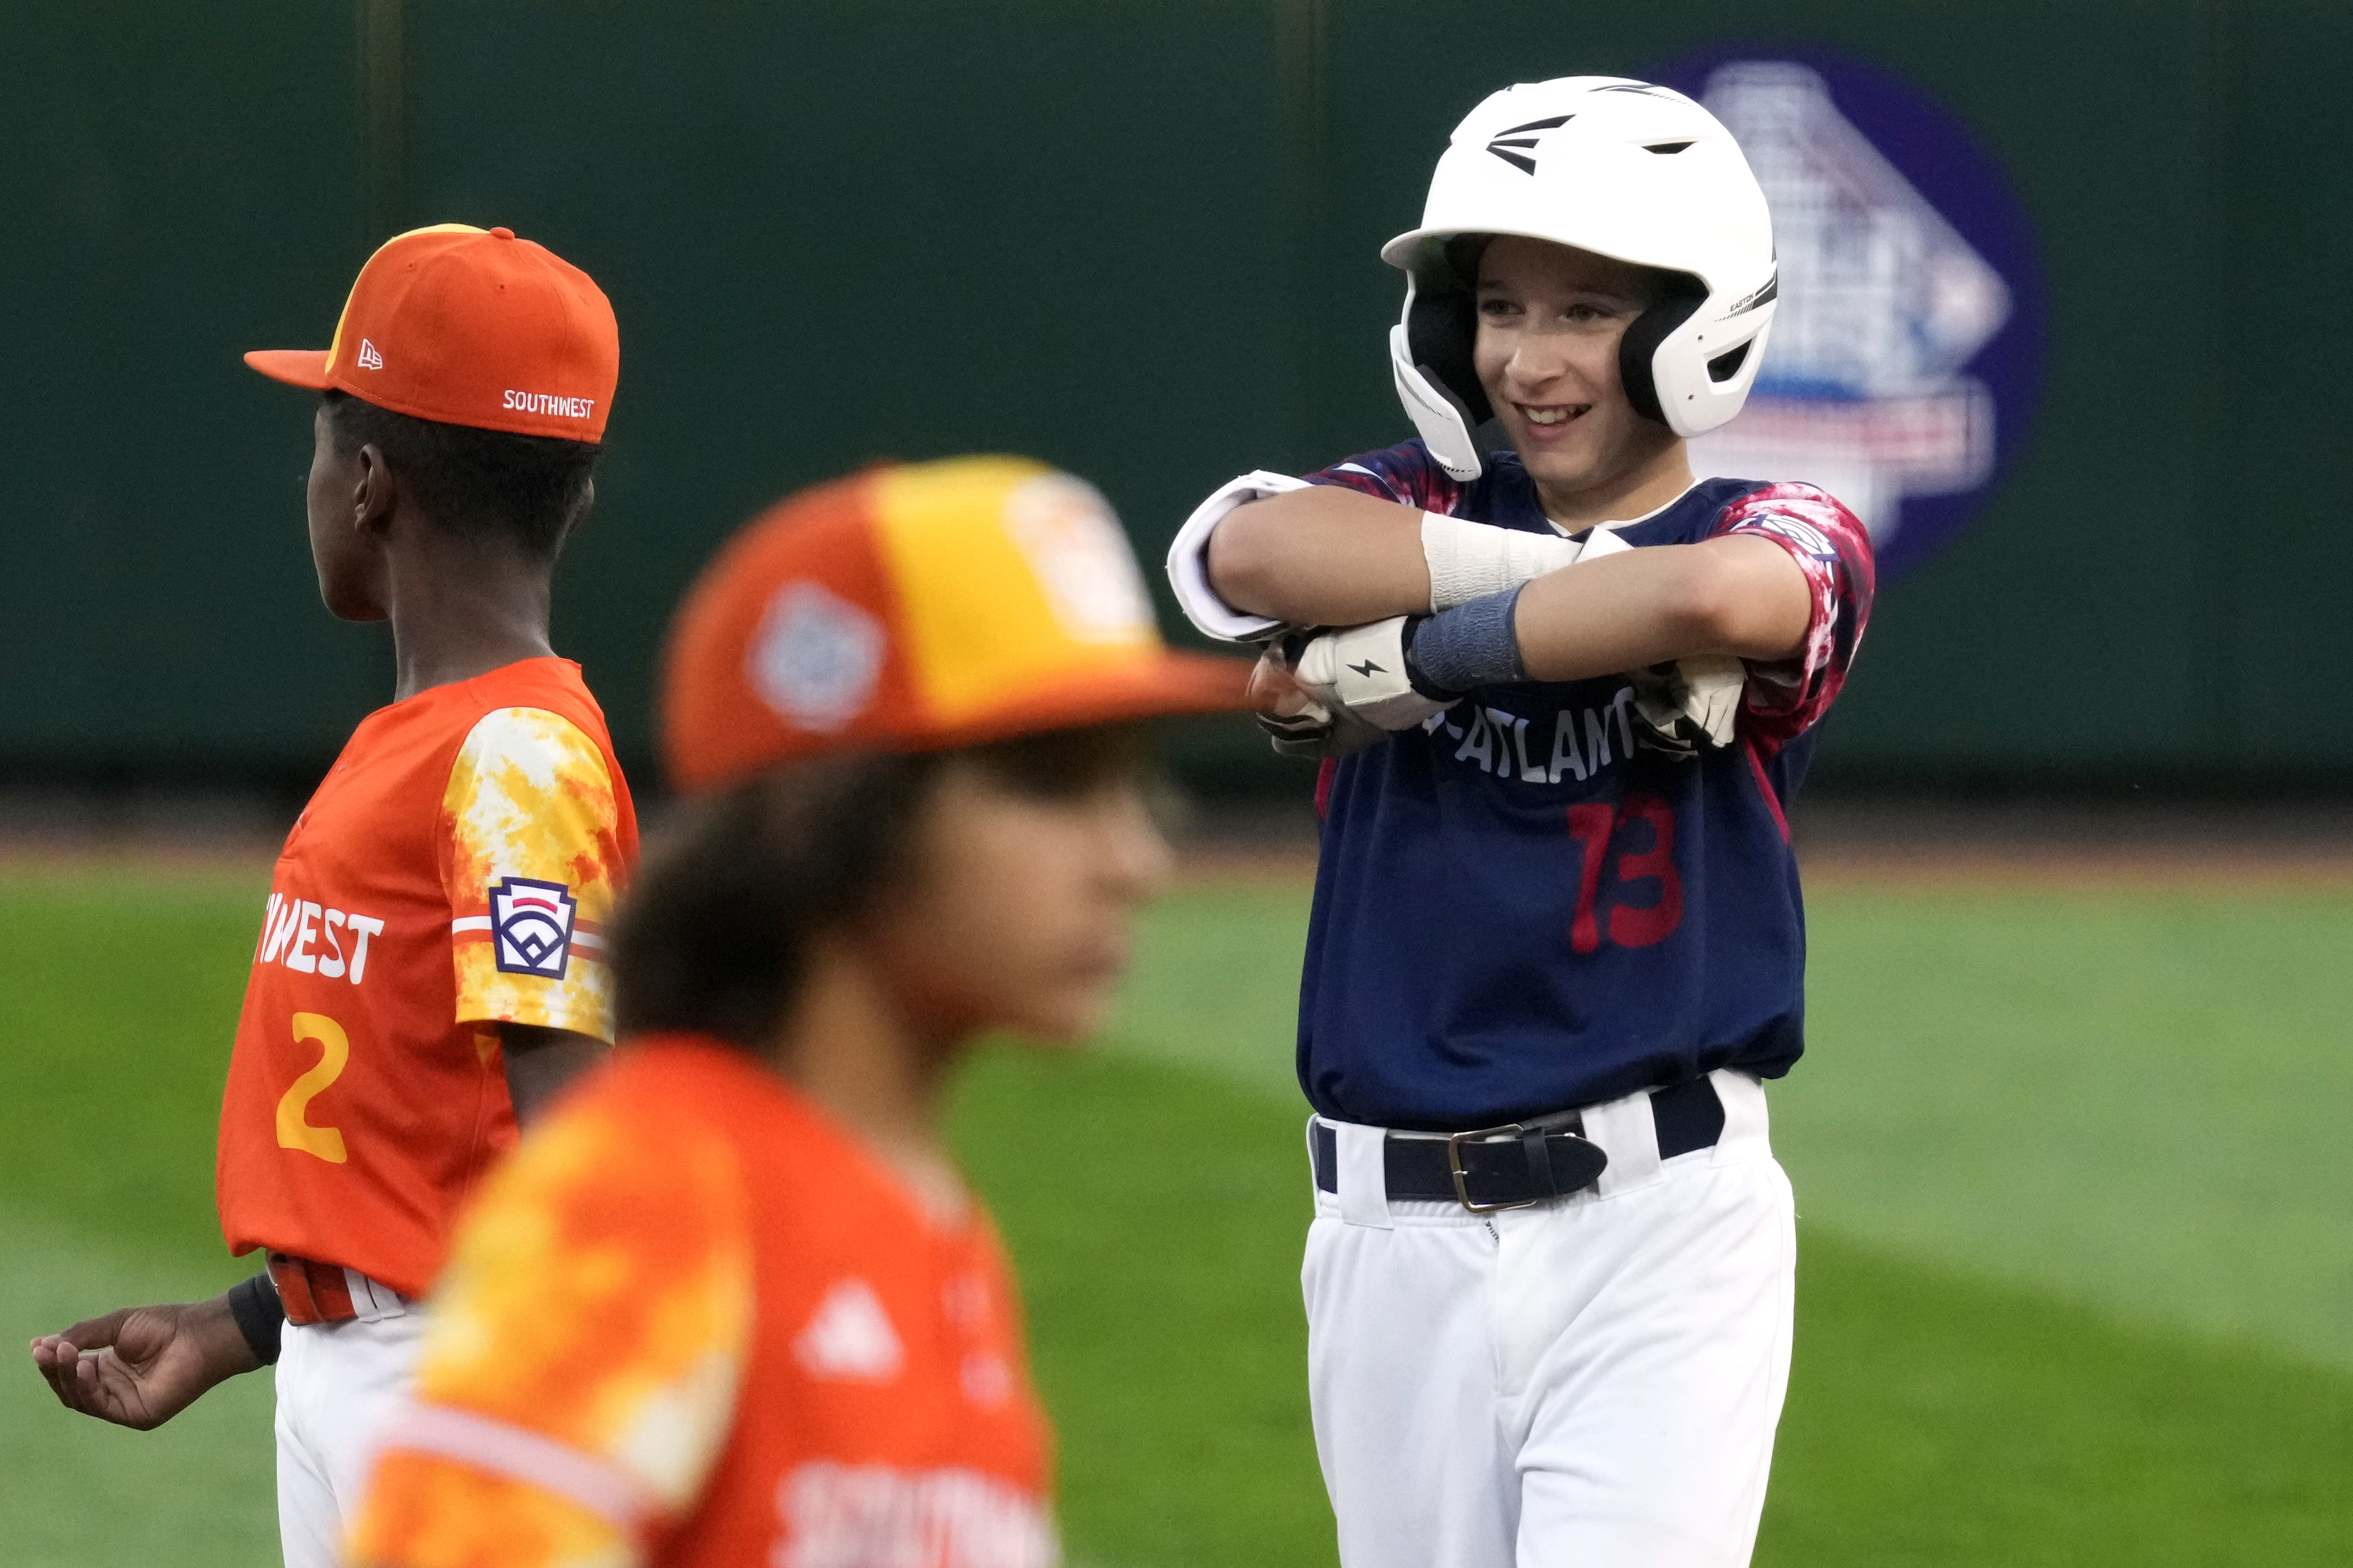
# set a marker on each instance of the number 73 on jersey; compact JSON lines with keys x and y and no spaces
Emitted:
{"x":1640,"y":830}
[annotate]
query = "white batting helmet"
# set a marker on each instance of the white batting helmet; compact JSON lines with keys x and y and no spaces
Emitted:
{"x":1620,"y":168}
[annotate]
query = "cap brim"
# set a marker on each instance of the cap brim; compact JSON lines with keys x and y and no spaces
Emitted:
{"x":1166,"y":687}
{"x":296,"y":367}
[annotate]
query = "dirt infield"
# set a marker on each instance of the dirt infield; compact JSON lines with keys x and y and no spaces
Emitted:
{"x":2218,"y":869}
{"x":1881,"y":845}
{"x":2210,"y":869}
{"x":163,"y":857}
{"x":1945,"y":846}
{"x":2241,"y":846}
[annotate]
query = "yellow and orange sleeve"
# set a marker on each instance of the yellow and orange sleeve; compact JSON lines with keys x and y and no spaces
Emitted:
{"x":581,"y":1367}
{"x":533,"y":865}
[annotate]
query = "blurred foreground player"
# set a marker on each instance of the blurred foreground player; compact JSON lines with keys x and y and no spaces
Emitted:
{"x":731,"y":1303}
{"x":1557,"y":940}
{"x":430,"y":965}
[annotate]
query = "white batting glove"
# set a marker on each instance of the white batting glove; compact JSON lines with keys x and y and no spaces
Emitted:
{"x":1359,"y":671}
{"x":1688,"y":705}
{"x":1338,"y":691}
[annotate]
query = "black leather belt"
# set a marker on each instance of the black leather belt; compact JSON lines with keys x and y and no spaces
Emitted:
{"x":1522,"y":1163}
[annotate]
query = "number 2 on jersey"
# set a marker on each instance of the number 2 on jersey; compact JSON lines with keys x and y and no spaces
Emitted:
{"x":1594,"y":827}
{"x":294,"y":1128}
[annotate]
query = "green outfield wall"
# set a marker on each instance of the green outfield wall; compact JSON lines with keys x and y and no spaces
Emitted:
{"x":1136,"y":240}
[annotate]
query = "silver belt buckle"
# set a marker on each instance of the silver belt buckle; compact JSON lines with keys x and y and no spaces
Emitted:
{"x":1454,"y":1143}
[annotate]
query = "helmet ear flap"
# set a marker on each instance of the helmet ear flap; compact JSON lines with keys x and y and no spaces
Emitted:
{"x":1430,"y":358}
{"x":1440,"y":330}
{"x":1638,"y":351}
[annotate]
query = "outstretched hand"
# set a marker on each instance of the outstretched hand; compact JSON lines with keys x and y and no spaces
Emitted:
{"x":140,"y":1366}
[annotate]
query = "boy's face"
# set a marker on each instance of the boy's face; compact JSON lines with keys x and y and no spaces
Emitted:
{"x":349,"y":570}
{"x":1018,"y":915}
{"x":1549,"y":321}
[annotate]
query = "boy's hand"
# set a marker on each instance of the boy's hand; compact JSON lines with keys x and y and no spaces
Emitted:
{"x":1297,"y":724}
{"x":140,"y":1366}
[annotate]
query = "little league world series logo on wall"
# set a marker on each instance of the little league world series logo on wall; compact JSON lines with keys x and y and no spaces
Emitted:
{"x":1905,"y":353}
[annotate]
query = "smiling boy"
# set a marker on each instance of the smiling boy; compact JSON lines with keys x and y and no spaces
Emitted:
{"x":1557,"y":941}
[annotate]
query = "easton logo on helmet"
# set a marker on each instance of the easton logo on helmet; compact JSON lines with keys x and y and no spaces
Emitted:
{"x":1525,"y":136}
{"x":1764,"y":296}
{"x":531,"y":927}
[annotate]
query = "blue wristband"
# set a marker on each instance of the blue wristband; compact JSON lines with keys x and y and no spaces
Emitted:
{"x":1466,"y":647}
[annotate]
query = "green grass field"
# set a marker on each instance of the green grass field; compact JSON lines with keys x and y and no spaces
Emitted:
{"x":2076,"y":1278}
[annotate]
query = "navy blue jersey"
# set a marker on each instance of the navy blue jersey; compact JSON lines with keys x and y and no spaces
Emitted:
{"x":1516,"y":911}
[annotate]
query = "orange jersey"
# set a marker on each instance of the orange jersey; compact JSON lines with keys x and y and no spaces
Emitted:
{"x":453,"y":871}
{"x":694,"y":1321}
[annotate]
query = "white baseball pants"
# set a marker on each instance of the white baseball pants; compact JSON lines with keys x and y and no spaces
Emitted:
{"x":337,"y":1384}
{"x":1593,"y":1383}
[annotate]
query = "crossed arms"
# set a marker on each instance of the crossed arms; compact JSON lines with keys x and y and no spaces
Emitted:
{"x":1329,"y":556}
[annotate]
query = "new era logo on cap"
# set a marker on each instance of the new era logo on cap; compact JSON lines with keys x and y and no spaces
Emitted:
{"x":369,"y":358}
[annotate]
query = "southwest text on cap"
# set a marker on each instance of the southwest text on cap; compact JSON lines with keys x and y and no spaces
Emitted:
{"x":547,"y":402}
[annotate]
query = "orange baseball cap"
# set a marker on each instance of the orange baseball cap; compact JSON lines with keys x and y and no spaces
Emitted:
{"x":908,"y":608}
{"x":470,"y":326}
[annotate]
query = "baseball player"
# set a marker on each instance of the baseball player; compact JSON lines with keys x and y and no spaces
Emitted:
{"x":430,"y":965}
{"x":731,"y":1303}
{"x":1564,"y":694}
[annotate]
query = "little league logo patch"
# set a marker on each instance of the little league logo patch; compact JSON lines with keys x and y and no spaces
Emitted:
{"x":817,"y":658}
{"x":531,"y":927}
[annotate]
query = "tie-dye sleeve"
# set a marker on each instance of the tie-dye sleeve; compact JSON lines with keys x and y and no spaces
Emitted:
{"x":1788,"y":697}
{"x":582,"y":1362}
{"x":533,"y":865}
{"x":1406,"y":474}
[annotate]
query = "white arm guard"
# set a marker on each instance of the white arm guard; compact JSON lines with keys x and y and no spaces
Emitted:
{"x":1189,"y":559}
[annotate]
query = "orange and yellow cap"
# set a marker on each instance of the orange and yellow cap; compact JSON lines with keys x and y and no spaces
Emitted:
{"x":470,"y":326}
{"x":907,"y":608}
